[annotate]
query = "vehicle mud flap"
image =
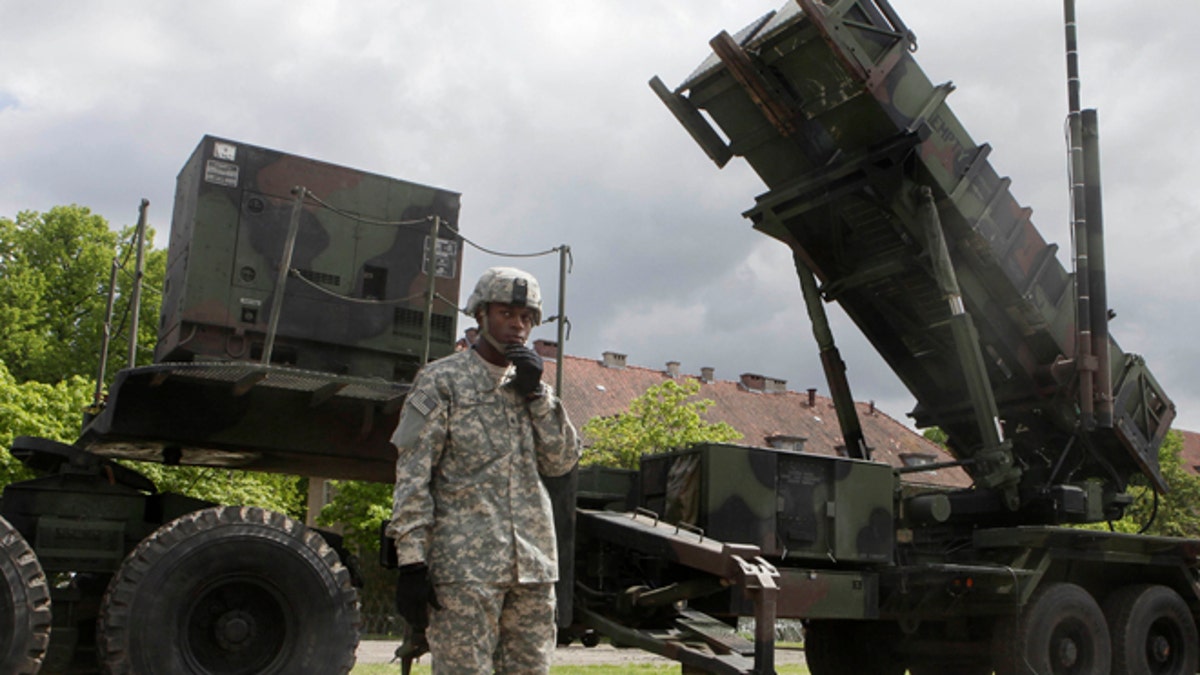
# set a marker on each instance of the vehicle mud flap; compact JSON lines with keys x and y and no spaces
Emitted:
{"x":562,"y":491}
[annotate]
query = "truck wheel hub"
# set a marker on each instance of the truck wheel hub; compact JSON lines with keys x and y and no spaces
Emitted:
{"x":235,"y":629}
{"x":1160,"y":649}
{"x":1067,"y":652}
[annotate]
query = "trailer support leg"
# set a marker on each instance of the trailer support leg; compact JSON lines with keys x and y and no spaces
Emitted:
{"x":760,"y":585}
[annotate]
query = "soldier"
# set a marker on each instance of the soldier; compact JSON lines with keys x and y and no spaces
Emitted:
{"x":471,"y":519}
{"x":468,"y":339}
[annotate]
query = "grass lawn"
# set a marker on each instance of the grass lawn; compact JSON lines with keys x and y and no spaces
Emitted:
{"x":422,"y":668}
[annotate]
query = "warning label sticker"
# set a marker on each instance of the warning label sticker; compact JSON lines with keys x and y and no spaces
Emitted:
{"x":221,"y":173}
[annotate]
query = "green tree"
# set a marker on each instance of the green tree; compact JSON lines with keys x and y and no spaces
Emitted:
{"x":935,"y":434}
{"x":1175,"y":513}
{"x":661,"y":419}
{"x":358,"y":507}
{"x":33,"y":408}
{"x":279,"y":492}
{"x":54,"y":276}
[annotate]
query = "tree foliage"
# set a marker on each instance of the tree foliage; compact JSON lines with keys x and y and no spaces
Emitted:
{"x":34,"y":408}
{"x":54,"y":276}
{"x":936,"y":435}
{"x":663,"y":418}
{"x":279,"y":492}
{"x":1175,"y":513}
{"x":358,"y":507}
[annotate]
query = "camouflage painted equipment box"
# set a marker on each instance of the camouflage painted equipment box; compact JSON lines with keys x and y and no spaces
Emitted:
{"x":355,"y":304}
{"x":793,"y":506}
{"x":350,"y":324}
{"x":827,"y":104}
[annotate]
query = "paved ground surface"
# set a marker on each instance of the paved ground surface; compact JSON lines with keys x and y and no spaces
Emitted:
{"x":382,"y":651}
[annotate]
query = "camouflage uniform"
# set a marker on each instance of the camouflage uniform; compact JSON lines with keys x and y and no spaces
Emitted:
{"x":469,"y":502}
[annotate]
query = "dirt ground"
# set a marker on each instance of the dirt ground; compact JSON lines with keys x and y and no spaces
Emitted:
{"x":382,"y":651}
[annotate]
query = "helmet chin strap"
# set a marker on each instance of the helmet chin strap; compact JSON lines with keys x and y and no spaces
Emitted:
{"x":486,"y":333}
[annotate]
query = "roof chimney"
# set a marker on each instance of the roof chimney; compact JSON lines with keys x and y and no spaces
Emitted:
{"x":774,"y":385}
{"x":547,"y":349}
{"x":786,"y":442}
{"x":753,"y":382}
{"x":614,"y":360}
{"x":707,"y":374}
{"x":812,"y":398}
{"x":672,"y":369}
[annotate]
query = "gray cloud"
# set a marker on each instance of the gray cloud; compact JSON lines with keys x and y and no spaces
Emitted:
{"x":539,"y":114}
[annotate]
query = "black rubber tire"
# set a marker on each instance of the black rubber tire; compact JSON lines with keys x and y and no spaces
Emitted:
{"x":837,"y":647}
{"x":1153,"y":632}
{"x":230,"y":591}
{"x":24,"y":605}
{"x":1060,"y":631}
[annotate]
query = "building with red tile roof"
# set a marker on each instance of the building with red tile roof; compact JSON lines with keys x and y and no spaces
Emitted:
{"x":1189,"y":456}
{"x":761,"y":408}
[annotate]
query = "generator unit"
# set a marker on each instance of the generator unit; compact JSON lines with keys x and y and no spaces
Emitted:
{"x":355,"y":293}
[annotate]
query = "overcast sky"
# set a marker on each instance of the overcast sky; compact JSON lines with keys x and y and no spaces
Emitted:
{"x":538,"y":112}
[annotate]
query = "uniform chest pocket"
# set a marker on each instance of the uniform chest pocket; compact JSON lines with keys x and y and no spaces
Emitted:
{"x":477,"y":427}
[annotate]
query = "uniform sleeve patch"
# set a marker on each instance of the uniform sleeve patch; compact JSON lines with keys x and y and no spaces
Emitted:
{"x":422,"y":402}
{"x":418,"y":409}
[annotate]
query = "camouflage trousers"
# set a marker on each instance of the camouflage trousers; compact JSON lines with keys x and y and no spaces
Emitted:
{"x":486,"y":628}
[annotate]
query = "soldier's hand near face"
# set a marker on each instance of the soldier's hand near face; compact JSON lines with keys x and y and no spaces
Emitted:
{"x":528,"y":378}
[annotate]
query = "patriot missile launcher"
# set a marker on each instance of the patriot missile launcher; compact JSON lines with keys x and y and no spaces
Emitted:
{"x":894,"y":212}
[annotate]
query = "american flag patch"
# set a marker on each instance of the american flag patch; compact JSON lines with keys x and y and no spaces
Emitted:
{"x":423,"y":402}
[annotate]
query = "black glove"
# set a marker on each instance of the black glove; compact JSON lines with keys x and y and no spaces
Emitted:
{"x":528,"y":378}
{"x":414,"y":596}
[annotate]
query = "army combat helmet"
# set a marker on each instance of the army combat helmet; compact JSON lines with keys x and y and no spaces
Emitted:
{"x":507,"y":285}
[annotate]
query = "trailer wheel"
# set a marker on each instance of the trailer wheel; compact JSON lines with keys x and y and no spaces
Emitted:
{"x":834,"y":647}
{"x":1061,"y":631}
{"x":1153,"y":632}
{"x":230,"y":591}
{"x":24,"y":605}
